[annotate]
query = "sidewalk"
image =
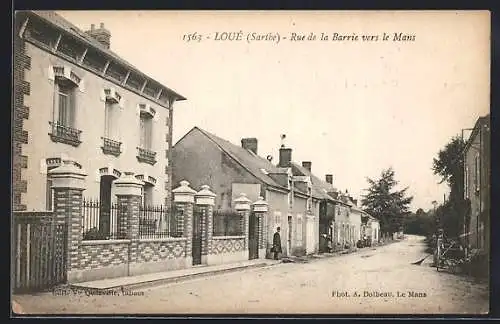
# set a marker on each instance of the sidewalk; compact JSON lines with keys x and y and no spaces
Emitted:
{"x":159,"y":278}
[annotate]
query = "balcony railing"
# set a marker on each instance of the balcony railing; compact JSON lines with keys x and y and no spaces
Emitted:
{"x":111,"y":147}
{"x":146,"y":156}
{"x":65,"y":134}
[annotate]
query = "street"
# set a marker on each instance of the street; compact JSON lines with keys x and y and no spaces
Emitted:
{"x":378,"y":280}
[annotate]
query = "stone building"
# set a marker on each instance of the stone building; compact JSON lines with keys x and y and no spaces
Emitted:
{"x":74,"y":97}
{"x":477,"y":185}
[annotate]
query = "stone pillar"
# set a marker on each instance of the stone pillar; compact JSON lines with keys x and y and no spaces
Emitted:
{"x":242,"y":206}
{"x":184,"y":203}
{"x":206,"y":199}
{"x":128,"y":193}
{"x":260,"y":208}
{"x":68,"y":182}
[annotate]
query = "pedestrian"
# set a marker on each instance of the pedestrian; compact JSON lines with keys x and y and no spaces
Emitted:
{"x":277,"y":244}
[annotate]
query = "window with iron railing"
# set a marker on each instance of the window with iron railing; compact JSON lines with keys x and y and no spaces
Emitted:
{"x":64,"y":122}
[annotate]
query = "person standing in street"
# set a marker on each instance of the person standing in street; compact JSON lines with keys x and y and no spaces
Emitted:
{"x":277,"y":244}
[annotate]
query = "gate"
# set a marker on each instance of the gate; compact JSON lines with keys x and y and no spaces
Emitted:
{"x":197,"y":237}
{"x":253,"y":237}
{"x":40,"y":251}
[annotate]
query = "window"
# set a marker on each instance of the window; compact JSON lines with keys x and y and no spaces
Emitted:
{"x":477,"y":173}
{"x":466,"y":182}
{"x":146,"y":131}
{"x":64,"y":118}
{"x":65,"y":107}
{"x":290,"y":194}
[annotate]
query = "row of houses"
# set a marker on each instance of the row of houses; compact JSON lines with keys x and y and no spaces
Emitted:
{"x":92,"y":136}
{"x":312,"y":214}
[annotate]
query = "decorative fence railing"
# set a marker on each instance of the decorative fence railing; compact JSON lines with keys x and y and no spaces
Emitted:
{"x":228,"y":223}
{"x":100,"y":221}
{"x":158,"y":222}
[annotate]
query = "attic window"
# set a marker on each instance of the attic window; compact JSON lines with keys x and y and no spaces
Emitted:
{"x":116,"y":71}
{"x":151,"y":90}
{"x":94,"y":61}
{"x":134,"y":81}
{"x":70,"y":48}
{"x":42,"y":33}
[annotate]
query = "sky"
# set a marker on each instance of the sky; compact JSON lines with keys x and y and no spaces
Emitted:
{"x":352,"y":108}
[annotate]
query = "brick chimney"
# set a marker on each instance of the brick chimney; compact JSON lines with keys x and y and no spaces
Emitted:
{"x":249,"y":144}
{"x":285,"y":157}
{"x":329,"y":178}
{"x":307,"y":165}
{"x":101,"y":34}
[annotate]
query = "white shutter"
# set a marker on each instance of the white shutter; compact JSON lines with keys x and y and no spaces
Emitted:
{"x":50,"y":73}
{"x":97,"y":176}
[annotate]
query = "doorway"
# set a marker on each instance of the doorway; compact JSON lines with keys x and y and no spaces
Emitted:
{"x":253,"y":237}
{"x":105,"y":203}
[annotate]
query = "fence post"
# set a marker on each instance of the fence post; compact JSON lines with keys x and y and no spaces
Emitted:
{"x":206,"y":199}
{"x":260,"y":208}
{"x":68,"y":182}
{"x":184,"y":203}
{"x":128,"y":194}
{"x":242,"y":205}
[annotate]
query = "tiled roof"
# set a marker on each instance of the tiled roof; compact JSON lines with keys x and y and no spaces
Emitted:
{"x":320,"y":188}
{"x":57,"y":20}
{"x":246,"y":158}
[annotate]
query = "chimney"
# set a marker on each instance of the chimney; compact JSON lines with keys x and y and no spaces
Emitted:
{"x":285,"y":157}
{"x":101,"y":34}
{"x":307,"y":165}
{"x":249,"y":144}
{"x":329,"y":178}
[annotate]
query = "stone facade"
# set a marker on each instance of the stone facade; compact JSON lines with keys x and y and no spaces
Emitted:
{"x":44,"y":45}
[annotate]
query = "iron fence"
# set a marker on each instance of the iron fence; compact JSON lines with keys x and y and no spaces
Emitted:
{"x":228,"y":223}
{"x":158,"y":222}
{"x":100,"y":221}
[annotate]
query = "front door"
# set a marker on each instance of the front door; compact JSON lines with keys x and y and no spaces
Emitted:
{"x":196,"y":249}
{"x":253,"y":237}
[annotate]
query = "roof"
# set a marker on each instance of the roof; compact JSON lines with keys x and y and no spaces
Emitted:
{"x":481,"y":121}
{"x":252,"y":162}
{"x":320,"y":188}
{"x":60,"y":22}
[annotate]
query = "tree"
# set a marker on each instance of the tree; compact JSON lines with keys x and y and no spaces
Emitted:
{"x":449,"y":166}
{"x":389,"y":206}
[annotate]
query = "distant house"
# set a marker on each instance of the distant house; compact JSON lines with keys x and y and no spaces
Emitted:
{"x":477,"y":172}
{"x":203,"y":158}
